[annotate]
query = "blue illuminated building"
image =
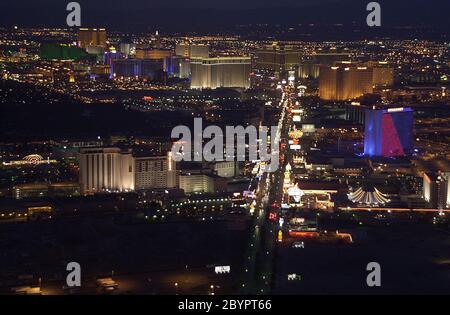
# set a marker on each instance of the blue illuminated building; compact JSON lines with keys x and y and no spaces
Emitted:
{"x":388,"y":132}
{"x":148,"y":68}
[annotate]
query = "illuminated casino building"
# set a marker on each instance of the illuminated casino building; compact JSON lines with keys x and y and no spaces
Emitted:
{"x":110,"y":56}
{"x":152,"y":54}
{"x":106,"y":170}
{"x":155,"y":172}
{"x":177,"y":66}
{"x":369,"y":196}
{"x":345,"y":81}
{"x":388,"y":132}
{"x":436,"y":189}
{"x":91,"y":37}
{"x":212,"y":73}
{"x":188,"y":50}
{"x":148,"y":68}
{"x":127,"y":49}
{"x":310,"y":65}
{"x":383,"y":73}
{"x":111,"y":169}
{"x":277,"y":58}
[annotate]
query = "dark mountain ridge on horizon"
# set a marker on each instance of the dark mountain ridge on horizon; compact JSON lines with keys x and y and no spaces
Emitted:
{"x":394,"y":13}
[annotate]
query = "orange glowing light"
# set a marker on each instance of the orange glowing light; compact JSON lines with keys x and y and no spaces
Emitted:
{"x":303,"y":234}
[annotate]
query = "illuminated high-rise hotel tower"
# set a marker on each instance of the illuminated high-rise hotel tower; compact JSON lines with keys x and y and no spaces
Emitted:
{"x":345,"y":82}
{"x":388,"y":132}
{"x":91,"y":37}
{"x":106,"y":169}
{"x":212,"y":73}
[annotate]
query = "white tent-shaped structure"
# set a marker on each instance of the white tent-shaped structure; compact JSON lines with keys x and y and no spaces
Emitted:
{"x":369,"y":196}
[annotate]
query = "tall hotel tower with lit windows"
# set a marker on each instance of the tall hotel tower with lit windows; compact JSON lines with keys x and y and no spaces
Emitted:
{"x":116,"y":170}
{"x":188,"y":50}
{"x":106,"y":170}
{"x":277,"y":58}
{"x":212,"y":73}
{"x":345,"y":82}
{"x":388,"y":132}
{"x":155,"y":172}
{"x":91,"y":37}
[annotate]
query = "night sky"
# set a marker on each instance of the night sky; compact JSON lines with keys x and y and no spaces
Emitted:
{"x":186,"y":14}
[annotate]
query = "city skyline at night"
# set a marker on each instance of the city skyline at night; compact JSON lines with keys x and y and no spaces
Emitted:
{"x":209,"y":149}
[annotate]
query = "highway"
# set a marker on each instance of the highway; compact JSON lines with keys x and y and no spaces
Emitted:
{"x":259,"y":269}
{"x":393,"y":209}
